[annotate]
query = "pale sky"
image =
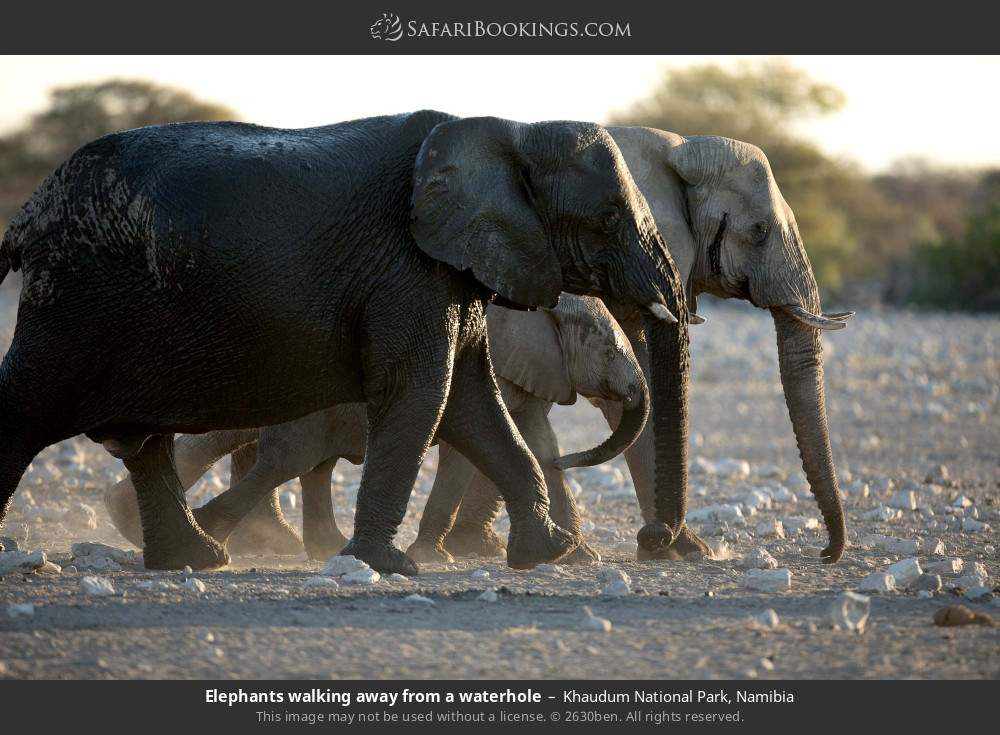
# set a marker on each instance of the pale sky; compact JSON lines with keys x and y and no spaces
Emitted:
{"x":945,"y":109}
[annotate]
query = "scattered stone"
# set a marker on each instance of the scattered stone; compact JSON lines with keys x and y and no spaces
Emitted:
{"x":850,"y":611}
{"x":187,"y":571}
{"x":324,"y":582}
{"x":961,"y":502}
{"x":731,"y":514}
{"x":989,"y":549}
{"x":856,"y":489}
{"x":341,"y":565}
{"x":952,"y":565}
{"x":771,"y":528}
{"x":768,"y":580}
{"x":156,"y":585}
{"x":21,"y":610}
{"x":616,"y":588}
{"x":194,"y":584}
{"x":49,"y":568}
{"x":97,"y":586}
{"x":97,"y":564}
{"x":592,"y":622}
{"x":882,"y":514}
{"x":759,"y":558}
{"x":972,"y":525}
{"x":8,"y":544}
{"x":80,"y":516}
{"x":937,"y":476}
{"x":882,"y":485}
{"x":489,"y":595}
{"x":418,"y":599}
{"x":90,"y":548}
{"x":905,"y":571}
{"x":903,"y":500}
{"x":927,"y":582}
{"x":548,"y":569}
{"x":362,"y":577}
{"x":481,"y":574}
{"x":21,"y":562}
{"x":613,"y":574}
{"x":893,"y":545}
{"x":960,"y":615}
{"x":979,"y":594}
{"x":935,"y":547}
{"x":397,"y":578}
{"x":878,"y":582}
{"x":767,"y":619}
{"x":730,"y":467}
{"x":798,"y":524}
{"x":925,"y":594}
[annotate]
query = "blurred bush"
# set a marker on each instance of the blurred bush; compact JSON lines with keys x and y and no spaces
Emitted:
{"x":867,"y":236}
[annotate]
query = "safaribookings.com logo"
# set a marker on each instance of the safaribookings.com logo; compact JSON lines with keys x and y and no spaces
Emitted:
{"x":390,"y":28}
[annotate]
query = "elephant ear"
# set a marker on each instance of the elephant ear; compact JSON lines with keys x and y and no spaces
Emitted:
{"x":525,"y":349}
{"x":473,"y":209}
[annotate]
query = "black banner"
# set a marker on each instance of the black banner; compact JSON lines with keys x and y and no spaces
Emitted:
{"x":245,"y":706}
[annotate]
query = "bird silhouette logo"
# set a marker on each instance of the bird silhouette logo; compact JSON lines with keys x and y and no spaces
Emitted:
{"x":387,"y":28}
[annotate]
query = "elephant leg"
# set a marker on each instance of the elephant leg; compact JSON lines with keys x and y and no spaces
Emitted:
{"x":264,"y":530}
{"x":322,"y":536}
{"x":641,"y":461}
{"x":451,"y":484}
{"x":172,"y":539}
{"x":194,"y":455}
{"x":477,"y":424}
{"x":473,"y":533}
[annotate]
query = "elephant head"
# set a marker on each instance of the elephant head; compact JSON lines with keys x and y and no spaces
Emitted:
{"x":577,"y":347}
{"x":532,"y":210}
{"x":732,"y":235}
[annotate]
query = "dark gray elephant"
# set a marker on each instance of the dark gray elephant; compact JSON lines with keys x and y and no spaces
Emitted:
{"x":540,"y":357}
{"x":731,"y":234}
{"x":203,"y":276}
{"x":307,"y":448}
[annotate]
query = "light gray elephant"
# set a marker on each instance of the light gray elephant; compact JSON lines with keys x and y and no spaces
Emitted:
{"x":731,"y":234}
{"x":540,"y":358}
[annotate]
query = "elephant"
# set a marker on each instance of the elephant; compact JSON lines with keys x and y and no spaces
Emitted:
{"x":540,"y":357}
{"x":731,"y":234}
{"x":193,"y":277}
{"x":308,"y":448}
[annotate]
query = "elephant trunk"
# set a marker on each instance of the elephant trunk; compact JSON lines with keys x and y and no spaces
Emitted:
{"x":800,"y":360}
{"x":668,"y":350}
{"x":633,"y":419}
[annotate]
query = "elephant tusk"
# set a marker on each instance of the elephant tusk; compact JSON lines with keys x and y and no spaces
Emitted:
{"x":840,"y":316}
{"x":695,"y":319}
{"x":810,"y":319}
{"x":662,"y":312}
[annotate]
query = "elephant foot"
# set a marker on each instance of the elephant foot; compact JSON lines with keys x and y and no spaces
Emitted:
{"x":686,"y":543}
{"x":475,"y":541}
{"x":123,"y":508}
{"x":383,"y":557}
{"x":269,"y":535}
{"x":189,"y":547}
{"x":541,"y":542}
{"x":423,"y":551}
{"x":322,"y":547}
{"x":584,"y":554}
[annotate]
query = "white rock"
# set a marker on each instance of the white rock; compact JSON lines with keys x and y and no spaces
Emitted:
{"x":892,"y":544}
{"x":935,"y":547}
{"x":858,"y":489}
{"x":979,"y":593}
{"x":756,"y":499}
{"x":939,"y":475}
{"x":767,"y":619}
{"x":361,"y":577}
{"x":480,"y":574}
{"x":925,"y":594}
{"x":962,"y":502}
{"x":92,"y":548}
{"x":971,"y":524}
{"x":771,"y":528}
{"x":730,"y":467}
{"x":731,"y":514}
{"x":489,"y":595}
{"x":187,"y":571}
{"x":798,"y":524}
{"x":323,"y":582}
{"x":194,"y":584}
{"x":969,"y":581}
{"x":97,"y":586}
{"x":397,"y":578}
{"x":97,"y":564}
{"x":903,"y":500}
{"x":81,"y":516}
{"x":612,"y":574}
{"x":952,"y":565}
{"x":21,"y":562}
{"x":49,"y":568}
{"x":341,"y":565}
{"x":989,"y":549}
{"x":905,"y":572}
{"x":592,"y":622}
{"x":548,"y":569}
{"x":419,"y":599}
{"x":768,"y":580}
{"x":21,"y":610}
{"x":781,"y":494}
{"x":759,"y":558}
{"x":616,"y":588}
{"x":882,"y":514}
{"x":878,"y":582}
{"x":850,"y":611}
{"x":156,"y":585}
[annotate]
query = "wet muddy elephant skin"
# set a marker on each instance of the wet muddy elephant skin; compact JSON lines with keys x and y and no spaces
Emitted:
{"x":308,"y":448}
{"x":205,"y":276}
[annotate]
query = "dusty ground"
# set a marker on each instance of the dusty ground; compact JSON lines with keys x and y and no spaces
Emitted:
{"x":906,"y":394}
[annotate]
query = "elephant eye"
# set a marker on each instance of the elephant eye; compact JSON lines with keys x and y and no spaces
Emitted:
{"x":610,"y":219}
{"x":759,"y":233}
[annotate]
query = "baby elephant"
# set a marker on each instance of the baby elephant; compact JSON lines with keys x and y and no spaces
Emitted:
{"x":540,"y":357}
{"x":263,"y":459}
